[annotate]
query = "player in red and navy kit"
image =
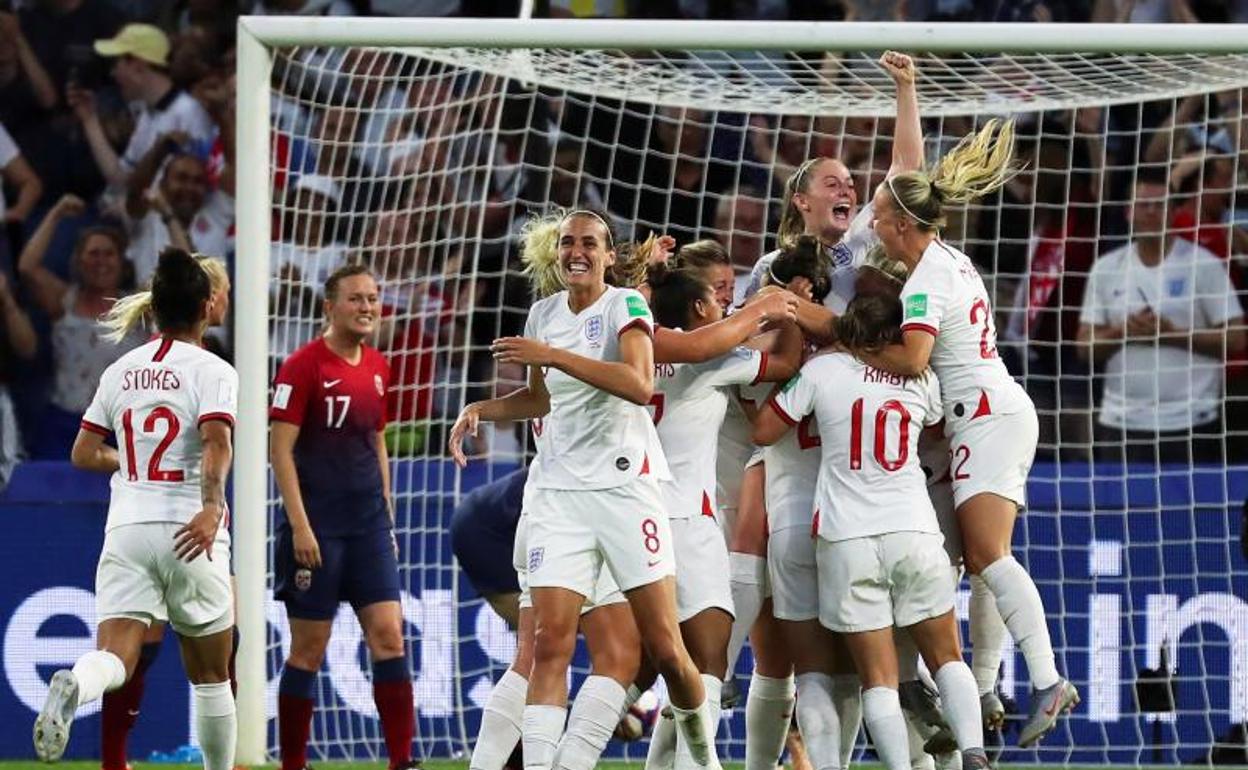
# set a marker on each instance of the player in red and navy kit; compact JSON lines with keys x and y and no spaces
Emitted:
{"x":336,"y":541}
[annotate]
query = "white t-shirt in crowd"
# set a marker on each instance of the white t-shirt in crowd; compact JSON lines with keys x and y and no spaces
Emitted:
{"x":870,"y":480}
{"x":178,"y":111}
{"x":1160,"y":387}
{"x":596,"y":440}
{"x":154,"y":399}
{"x":211,"y":233}
{"x":847,"y":256}
{"x":689,"y":405}
{"x":945,"y":297}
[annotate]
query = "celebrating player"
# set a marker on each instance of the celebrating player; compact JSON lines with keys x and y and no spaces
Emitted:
{"x":166,"y":544}
{"x":689,"y":403}
{"x":120,"y":709}
{"x":336,"y":542}
{"x":591,"y":367}
{"x":880,"y":561}
{"x":990,"y":420}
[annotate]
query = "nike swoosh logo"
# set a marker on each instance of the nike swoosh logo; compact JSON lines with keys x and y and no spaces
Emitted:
{"x":654,"y":563}
{"x":1050,"y":711}
{"x":330,"y":383}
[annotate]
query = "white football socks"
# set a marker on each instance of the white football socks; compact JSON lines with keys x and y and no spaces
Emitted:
{"x":98,"y":672}
{"x":501,"y":722}
{"x":768,"y":712}
{"x":748,"y":580}
{"x":1023,"y":613}
{"x":987,"y":634}
{"x":847,"y":698}
{"x":960,"y":701}
{"x":592,"y":720}
{"x":540,"y":733}
{"x":818,"y":720}
{"x":216,"y":724}
{"x":662,"y":752}
{"x":881,"y":709}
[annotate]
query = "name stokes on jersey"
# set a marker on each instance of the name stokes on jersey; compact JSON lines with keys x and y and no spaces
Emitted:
{"x":150,"y":378}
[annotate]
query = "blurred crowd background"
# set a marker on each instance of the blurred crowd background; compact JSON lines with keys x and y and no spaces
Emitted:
{"x":117,"y":138}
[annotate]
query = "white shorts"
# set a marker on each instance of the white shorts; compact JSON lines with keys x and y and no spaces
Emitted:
{"x":702,"y":570}
{"x":605,"y":590}
{"x":791,"y":570}
{"x":139,"y":577}
{"x":993,"y":454}
{"x":941,"y":494}
{"x":869,"y":583}
{"x":573,"y":534}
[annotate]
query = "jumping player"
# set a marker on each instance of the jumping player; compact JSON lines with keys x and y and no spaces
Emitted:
{"x":336,"y":541}
{"x":166,"y":546}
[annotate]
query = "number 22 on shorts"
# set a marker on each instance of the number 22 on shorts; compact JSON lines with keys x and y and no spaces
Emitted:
{"x":958,"y":456}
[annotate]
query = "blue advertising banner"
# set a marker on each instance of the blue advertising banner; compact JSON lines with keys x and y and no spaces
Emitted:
{"x":1128,"y":562}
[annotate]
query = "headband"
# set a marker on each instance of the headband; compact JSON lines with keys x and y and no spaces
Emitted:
{"x":802,"y":170}
{"x":595,"y":215}
{"x":904,"y":207}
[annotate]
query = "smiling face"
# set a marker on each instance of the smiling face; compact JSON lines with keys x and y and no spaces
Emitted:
{"x":584,"y":252}
{"x":354,"y":308}
{"x":722,"y":280}
{"x":99,"y":263}
{"x":888,"y":223}
{"x":826,"y":199}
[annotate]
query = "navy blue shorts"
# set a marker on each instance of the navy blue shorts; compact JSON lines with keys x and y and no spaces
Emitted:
{"x":359,"y":569}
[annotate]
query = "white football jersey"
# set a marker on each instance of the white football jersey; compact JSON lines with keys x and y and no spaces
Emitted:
{"x":154,"y":399}
{"x":732,"y":453}
{"x":870,"y":479}
{"x":689,"y":406}
{"x":792,"y":466}
{"x":945,"y":297}
{"x":847,"y":256}
{"x":596,"y":440}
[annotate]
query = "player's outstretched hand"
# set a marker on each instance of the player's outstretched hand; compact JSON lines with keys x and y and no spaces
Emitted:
{"x":521,"y":350}
{"x":899,"y":66}
{"x":197,"y":535}
{"x":465,"y":425}
{"x":775,"y":304}
{"x":307,"y":550}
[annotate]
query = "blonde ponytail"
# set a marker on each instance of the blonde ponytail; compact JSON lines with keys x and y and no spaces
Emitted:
{"x":218,"y":275}
{"x":125,"y":315}
{"x":980,"y":164}
{"x":540,"y":253}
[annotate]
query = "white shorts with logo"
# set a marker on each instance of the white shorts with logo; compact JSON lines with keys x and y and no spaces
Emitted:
{"x":791,"y":570}
{"x":993,"y":454}
{"x":869,"y":583}
{"x":702,"y":569}
{"x":575,"y":534}
{"x":139,"y":577}
{"x":605,"y":590}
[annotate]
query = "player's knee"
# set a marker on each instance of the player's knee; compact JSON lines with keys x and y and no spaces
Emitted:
{"x":385,"y":642}
{"x":667,"y":654}
{"x":978,"y":556}
{"x":552,"y":647}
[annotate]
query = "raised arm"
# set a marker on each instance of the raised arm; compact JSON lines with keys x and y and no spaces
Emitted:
{"x":41,"y":84}
{"x":140,"y":180}
{"x":47,"y":288}
{"x":908,"y":135}
{"x":82,"y":102}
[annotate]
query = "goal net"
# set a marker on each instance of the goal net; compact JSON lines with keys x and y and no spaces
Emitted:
{"x":423,"y":162}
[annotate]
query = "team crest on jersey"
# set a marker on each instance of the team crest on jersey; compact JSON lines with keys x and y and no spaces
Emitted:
{"x":536,"y":556}
{"x":593,"y":330}
{"x":840,"y":255}
{"x":303,"y":579}
{"x":381,"y":386}
{"x":1176,"y":287}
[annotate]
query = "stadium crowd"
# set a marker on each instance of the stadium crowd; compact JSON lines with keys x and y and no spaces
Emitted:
{"x":116,"y":139}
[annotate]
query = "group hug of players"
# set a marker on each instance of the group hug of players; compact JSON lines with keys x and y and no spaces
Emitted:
{"x":891,"y":451}
{"x":814,"y":469}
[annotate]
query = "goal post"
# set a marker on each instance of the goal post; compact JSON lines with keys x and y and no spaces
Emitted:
{"x":475,"y":158}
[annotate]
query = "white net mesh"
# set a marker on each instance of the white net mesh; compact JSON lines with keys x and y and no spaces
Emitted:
{"x":424,"y":163}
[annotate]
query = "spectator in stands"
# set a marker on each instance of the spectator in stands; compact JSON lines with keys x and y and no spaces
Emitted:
{"x":679,"y":182}
{"x":141,"y":54}
{"x":17,"y":175}
{"x":1161,"y":315}
{"x":100,"y":274}
{"x":741,"y":226}
{"x":179,"y":211}
{"x":308,"y":252}
{"x":303,"y":8}
{"x":27,"y":91}
{"x":18,"y":345}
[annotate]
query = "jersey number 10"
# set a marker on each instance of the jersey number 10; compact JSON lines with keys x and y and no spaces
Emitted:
{"x":172,"y":428}
{"x":881,"y":435}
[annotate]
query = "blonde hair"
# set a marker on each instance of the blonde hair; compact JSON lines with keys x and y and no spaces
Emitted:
{"x":980,"y":164}
{"x":540,"y":253}
{"x":133,"y":310}
{"x":791,"y":225}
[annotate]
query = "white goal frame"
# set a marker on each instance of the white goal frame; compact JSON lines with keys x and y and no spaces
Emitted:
{"x":258,"y":35}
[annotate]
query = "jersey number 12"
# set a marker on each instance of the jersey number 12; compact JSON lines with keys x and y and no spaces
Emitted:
{"x":172,"y":428}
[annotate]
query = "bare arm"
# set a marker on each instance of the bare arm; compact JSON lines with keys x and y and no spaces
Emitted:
{"x":140,"y":180}
{"x":41,"y":85}
{"x":198,"y":534}
{"x":90,"y":453}
{"x":17,"y":324}
{"x":769,"y":425}
{"x":527,"y":403}
{"x":383,"y":463}
{"x":106,"y":159}
{"x":1220,"y":342}
{"x":48,"y":289}
{"x":909,"y":358}
{"x":908,"y":136}
{"x":1097,"y":343}
{"x":785,"y":358}
{"x":282,"y":437}
{"x":19,"y":174}
{"x":714,"y":340}
{"x":631,"y":378}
